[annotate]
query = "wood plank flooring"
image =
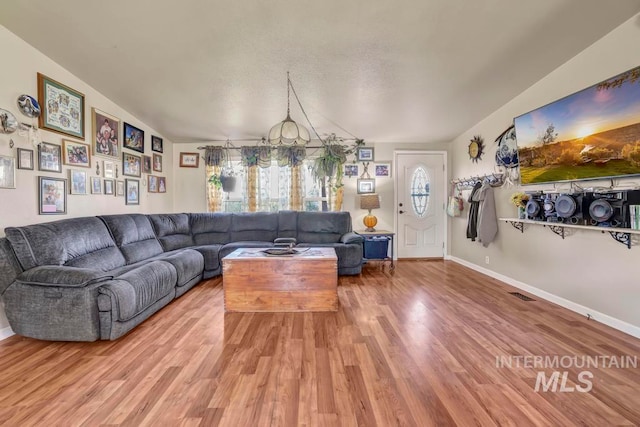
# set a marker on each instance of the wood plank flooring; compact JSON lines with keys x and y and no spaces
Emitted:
{"x":417,"y":347}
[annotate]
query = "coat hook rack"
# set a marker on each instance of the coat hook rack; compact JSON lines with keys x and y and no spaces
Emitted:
{"x":494,"y":179}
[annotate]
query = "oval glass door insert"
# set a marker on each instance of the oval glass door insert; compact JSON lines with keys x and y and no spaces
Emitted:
{"x":420,"y":191}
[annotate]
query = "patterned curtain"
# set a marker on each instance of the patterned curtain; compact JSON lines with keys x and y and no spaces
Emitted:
{"x":214,"y":158}
{"x":254,"y":157}
{"x":292,"y":157}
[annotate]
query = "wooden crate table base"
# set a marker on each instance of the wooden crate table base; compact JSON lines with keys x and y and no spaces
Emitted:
{"x":254,"y":281}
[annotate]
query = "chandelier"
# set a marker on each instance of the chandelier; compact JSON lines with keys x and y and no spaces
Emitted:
{"x":288,"y":132}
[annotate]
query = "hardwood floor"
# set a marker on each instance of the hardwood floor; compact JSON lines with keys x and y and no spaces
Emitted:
{"x":417,"y":347}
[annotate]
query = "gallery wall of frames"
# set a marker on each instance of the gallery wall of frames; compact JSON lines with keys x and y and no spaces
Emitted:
{"x":72,"y":149}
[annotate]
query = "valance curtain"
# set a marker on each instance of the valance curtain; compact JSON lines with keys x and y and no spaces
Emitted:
{"x":214,"y":159}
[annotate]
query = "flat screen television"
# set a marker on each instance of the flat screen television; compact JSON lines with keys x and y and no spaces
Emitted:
{"x":591,"y":134}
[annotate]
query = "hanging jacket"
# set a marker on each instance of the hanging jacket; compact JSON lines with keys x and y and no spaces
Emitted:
{"x":474,"y":206}
{"x":487,"y":226}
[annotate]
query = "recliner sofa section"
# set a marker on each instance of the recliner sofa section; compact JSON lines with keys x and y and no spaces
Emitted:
{"x":84,"y":279}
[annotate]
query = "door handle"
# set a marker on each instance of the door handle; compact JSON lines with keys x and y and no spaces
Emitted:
{"x":400,"y":212}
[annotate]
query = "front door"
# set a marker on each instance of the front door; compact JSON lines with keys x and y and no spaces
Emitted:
{"x":420,"y":212}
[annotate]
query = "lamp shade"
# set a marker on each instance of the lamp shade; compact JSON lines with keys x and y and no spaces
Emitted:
{"x":288,"y":132}
{"x":369,"y":201}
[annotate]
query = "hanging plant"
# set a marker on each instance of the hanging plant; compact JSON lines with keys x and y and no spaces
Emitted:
{"x":215,"y":181}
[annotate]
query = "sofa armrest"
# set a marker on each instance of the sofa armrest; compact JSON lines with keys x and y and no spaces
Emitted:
{"x":351,"y":237}
{"x":61,"y":276}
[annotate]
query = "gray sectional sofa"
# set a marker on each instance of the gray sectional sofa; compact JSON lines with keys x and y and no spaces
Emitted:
{"x":91,"y":278}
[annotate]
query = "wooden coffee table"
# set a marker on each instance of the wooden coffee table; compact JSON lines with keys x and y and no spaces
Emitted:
{"x":254,"y":281}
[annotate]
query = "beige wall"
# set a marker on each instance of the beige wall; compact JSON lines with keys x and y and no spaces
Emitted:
{"x":19,"y":206}
{"x":588,"y":268}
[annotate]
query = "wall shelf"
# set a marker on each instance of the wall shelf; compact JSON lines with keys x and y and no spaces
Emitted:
{"x":620,"y":235}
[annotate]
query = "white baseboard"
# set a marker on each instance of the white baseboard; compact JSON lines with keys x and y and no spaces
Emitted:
{"x":618,"y":324}
{"x":6,"y":333}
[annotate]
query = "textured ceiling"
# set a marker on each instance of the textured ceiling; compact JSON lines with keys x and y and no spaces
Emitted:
{"x":385,"y":71}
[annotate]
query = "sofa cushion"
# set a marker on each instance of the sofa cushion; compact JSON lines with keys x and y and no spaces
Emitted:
{"x":288,"y":224}
{"x":172,"y":230}
{"x":210,"y":228}
{"x":188,"y":263}
{"x":211,"y":255}
{"x":134,"y":236}
{"x":62,"y":276}
{"x":323,"y":227}
{"x":254,"y":226}
{"x":76,"y":242}
{"x":137,"y":289}
{"x":9,"y":267}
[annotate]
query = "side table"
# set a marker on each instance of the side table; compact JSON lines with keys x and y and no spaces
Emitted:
{"x":376,"y":246}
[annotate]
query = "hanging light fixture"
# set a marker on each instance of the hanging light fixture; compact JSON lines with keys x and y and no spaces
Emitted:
{"x":288,"y":132}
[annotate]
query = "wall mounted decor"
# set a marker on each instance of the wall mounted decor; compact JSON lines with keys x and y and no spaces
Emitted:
{"x":366,"y":186}
{"x":157,"y":162}
{"x":146,"y":164}
{"x":7,"y":172}
{"x":590,"y":134}
{"x":62,"y":107}
{"x":132,"y":191}
{"x":49,"y":157}
{"x":133,"y":138}
{"x":383,"y":169}
{"x":507,"y":152}
{"x":8,"y":122}
{"x":76,"y":154}
{"x":152,"y":186}
{"x":78,"y":180}
{"x":156,"y":144}
{"x":29,"y":106}
{"x":52,"y":196}
{"x":96,"y":185}
{"x":105,"y":133}
{"x":162,"y":184}
{"x":365,"y":154}
{"x":108,"y":169}
{"x":476,"y":148}
{"x":189,"y":160}
{"x":109,"y":187}
{"x":131,"y":165}
{"x":25,"y":159}
{"x":350,"y":170}
{"x":119,"y":188}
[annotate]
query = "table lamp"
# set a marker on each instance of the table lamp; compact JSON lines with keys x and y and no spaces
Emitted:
{"x":370,"y":201}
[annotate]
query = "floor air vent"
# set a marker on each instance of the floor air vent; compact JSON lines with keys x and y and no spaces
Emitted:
{"x":522,"y":297}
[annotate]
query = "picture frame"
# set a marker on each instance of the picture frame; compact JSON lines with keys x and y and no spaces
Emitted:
{"x":365,"y":154}
{"x":366,"y":186}
{"x":78,"y":182}
{"x":119,"y":188}
{"x":132,"y":191}
{"x":351,"y":170}
{"x":133,"y":138}
{"x":152,"y":184}
{"x":62,"y":108}
{"x":131,"y":165}
{"x":52,"y":196}
{"x":7,"y":172}
{"x":108,"y":169}
{"x":189,"y":160}
{"x":383,"y":169}
{"x":96,"y":185}
{"x":162,"y":184}
{"x":157,"y":162}
{"x":157,"y":144}
{"x":76,"y":153}
{"x":105,"y":134}
{"x":146,"y":164}
{"x":25,"y":159}
{"x":109,"y":187}
{"x":49,"y":157}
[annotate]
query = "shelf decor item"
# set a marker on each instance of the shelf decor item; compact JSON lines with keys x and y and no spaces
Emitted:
{"x":369,"y":202}
{"x":520,"y":201}
{"x":62,"y":108}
